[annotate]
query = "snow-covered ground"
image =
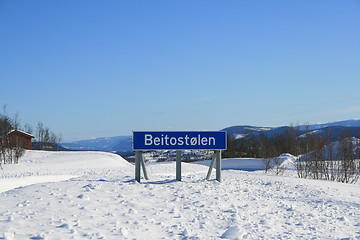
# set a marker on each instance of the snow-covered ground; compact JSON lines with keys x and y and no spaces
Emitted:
{"x":253,"y":164}
{"x":100,"y":200}
{"x":246,"y":164}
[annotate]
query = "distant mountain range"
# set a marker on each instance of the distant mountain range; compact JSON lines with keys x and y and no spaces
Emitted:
{"x":352,"y":126}
{"x":123,"y":144}
{"x":120,"y":144}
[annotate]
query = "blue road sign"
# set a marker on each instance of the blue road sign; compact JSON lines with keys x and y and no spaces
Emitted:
{"x":193,"y":140}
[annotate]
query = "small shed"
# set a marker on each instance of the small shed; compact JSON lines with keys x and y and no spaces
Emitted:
{"x":20,"y":139}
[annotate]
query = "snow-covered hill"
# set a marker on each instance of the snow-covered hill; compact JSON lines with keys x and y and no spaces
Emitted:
{"x":345,"y":123}
{"x":102,"y":201}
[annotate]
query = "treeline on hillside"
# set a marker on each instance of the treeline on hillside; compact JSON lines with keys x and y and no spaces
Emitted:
{"x":292,"y":140}
{"x":11,"y":151}
{"x":326,"y":155}
{"x":338,"y":161}
{"x":45,"y":139}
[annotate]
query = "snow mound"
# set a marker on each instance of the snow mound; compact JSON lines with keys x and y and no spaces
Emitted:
{"x":35,"y":163}
{"x":44,"y":166}
{"x":288,"y":161}
{"x":78,"y":159}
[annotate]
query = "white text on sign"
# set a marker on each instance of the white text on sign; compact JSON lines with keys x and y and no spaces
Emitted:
{"x":173,"y":141}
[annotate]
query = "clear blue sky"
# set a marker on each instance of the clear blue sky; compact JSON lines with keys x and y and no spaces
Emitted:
{"x":105,"y":68}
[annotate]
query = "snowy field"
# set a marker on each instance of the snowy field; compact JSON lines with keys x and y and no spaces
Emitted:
{"x":253,"y":164}
{"x":93,"y":195}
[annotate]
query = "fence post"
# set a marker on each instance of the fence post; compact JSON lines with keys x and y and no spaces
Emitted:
{"x":218,"y":165}
{"x":138,"y":156}
{"x":178,"y":165}
{"x":210,"y":167}
{"x":143,"y":167}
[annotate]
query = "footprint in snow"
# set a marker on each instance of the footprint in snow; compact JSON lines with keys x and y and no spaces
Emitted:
{"x":64,"y":225}
{"x":89,"y":187}
{"x":39,"y":236}
{"x":82,"y":196}
{"x":232,"y":233}
{"x":342,"y":219}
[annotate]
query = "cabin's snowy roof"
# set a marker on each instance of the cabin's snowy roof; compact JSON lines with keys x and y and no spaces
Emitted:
{"x":22,"y":132}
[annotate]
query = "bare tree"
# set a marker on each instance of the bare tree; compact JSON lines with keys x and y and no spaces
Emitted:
{"x":267,"y":164}
{"x":28,"y":128}
{"x":300,"y":167}
{"x":278,"y":167}
{"x":349,"y":163}
{"x":10,"y":151}
{"x":45,"y":138}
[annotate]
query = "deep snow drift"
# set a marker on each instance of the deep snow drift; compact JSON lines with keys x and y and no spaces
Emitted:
{"x":102,"y":201}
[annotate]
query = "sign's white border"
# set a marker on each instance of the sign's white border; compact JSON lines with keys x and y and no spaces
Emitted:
{"x":164,"y":149}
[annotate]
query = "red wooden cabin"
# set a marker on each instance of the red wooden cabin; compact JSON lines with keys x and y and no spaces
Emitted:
{"x":20,"y":139}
